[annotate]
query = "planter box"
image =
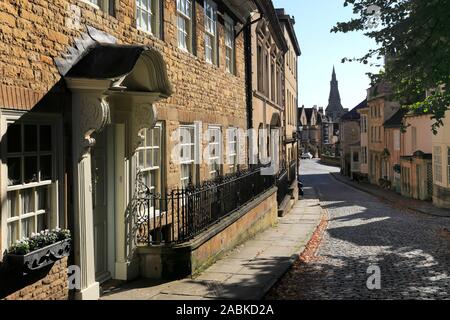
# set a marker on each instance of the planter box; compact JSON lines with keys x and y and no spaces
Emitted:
{"x":38,"y":259}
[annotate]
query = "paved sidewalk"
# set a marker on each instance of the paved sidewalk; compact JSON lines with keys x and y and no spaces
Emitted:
{"x":246,"y":273}
{"x":394,"y":198}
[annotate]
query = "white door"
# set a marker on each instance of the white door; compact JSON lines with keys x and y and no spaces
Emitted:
{"x":100,"y":204}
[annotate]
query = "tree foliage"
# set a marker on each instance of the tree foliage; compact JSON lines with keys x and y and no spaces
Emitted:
{"x":414,"y":36}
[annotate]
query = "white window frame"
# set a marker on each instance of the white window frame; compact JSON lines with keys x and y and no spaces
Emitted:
{"x":437,"y":160}
{"x":152,"y":13}
{"x":187,"y":154}
{"x":185,"y":14}
{"x":229,"y":45}
{"x":397,"y":145}
{"x":53,"y":186}
{"x":364,"y":124}
{"x":152,"y":149}
{"x":214,"y":160}
{"x":233,"y":149}
{"x":103,"y":5}
{"x":210,"y":31}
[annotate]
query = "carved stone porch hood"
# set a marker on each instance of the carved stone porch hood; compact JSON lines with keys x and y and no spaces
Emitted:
{"x":98,"y":70}
{"x":128,"y":67}
{"x":97,"y":56}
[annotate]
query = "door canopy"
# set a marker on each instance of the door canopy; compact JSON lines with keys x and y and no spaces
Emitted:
{"x":97,"y":56}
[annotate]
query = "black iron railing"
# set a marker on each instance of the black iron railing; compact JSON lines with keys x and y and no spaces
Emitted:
{"x":285,"y":180}
{"x":293,"y":172}
{"x":181,"y":214}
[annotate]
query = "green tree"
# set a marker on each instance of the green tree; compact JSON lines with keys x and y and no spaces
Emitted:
{"x":415,"y":36}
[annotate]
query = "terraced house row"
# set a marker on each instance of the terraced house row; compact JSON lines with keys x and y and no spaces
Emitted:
{"x":126,"y":122}
{"x":395,"y":148}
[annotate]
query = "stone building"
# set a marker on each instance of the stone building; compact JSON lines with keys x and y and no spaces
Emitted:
{"x":393,"y":132}
{"x":290,"y":86}
{"x":310,"y":125}
{"x":350,"y":141}
{"x":267,"y":55}
{"x":94,"y":98}
{"x":381,"y":108}
{"x":416,"y":157}
{"x":441,"y":164}
{"x":364,"y":153}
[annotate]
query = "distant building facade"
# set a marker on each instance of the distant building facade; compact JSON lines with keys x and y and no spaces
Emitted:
{"x":364,"y":141}
{"x":290,"y":117}
{"x":350,"y":141}
{"x":441,"y":164}
{"x":416,"y":157}
{"x":310,"y":130}
{"x":393,"y":133}
{"x":381,"y":108}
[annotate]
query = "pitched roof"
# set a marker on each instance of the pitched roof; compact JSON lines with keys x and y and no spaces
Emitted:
{"x":319,"y":118}
{"x":396,"y":120}
{"x":354,"y":114}
{"x":308,"y":112}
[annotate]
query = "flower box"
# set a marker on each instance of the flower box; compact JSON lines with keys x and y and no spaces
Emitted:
{"x":39,"y":258}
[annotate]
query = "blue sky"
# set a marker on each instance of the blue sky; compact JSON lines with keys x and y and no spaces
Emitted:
{"x":322,"y":49}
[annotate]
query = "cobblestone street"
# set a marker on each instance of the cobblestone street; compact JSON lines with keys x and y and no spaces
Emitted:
{"x":411,"y":249}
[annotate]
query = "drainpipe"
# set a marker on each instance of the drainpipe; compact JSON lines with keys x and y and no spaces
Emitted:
{"x":248,"y":71}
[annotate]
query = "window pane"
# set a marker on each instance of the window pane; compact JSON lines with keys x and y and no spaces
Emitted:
{"x":141,"y":159}
{"x":147,"y":4}
{"x":156,"y":158}
{"x":144,"y":21}
{"x":42,"y":194}
{"x":149,"y":160}
{"x":14,"y":139}
{"x":41,"y":222}
{"x":14,"y":171}
{"x":13,"y":232}
{"x":186,"y":153}
{"x":45,"y":138}
{"x":12,"y":204}
{"x":27,"y":201}
{"x":148,"y":141}
{"x":154,"y":179}
{"x":147,"y":179}
{"x":30,"y":138}
{"x":27,"y":227}
{"x":156,"y":137}
{"x":46,"y":167}
{"x":30,"y":169}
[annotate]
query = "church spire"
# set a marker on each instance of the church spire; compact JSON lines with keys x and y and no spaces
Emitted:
{"x":334,"y":109}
